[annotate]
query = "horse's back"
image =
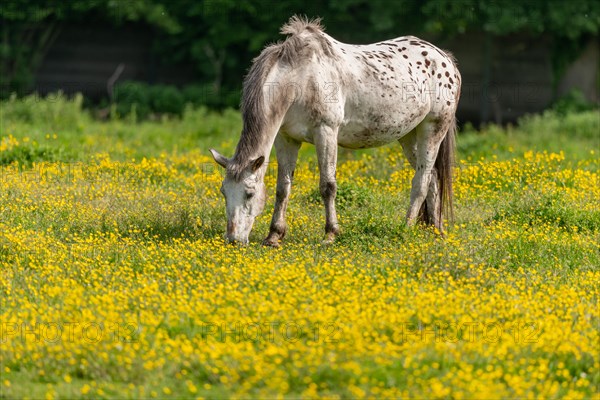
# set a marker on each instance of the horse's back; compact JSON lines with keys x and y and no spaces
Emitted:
{"x":377,"y":93}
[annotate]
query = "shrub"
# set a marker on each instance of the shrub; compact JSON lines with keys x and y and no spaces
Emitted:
{"x":572,"y":102}
{"x":132,"y":97}
{"x":166,"y":99}
{"x":194,"y":94}
{"x":207,"y":96}
{"x":141,"y":99}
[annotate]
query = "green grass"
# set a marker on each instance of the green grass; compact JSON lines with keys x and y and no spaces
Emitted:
{"x":79,"y":136}
{"x":143,"y":224}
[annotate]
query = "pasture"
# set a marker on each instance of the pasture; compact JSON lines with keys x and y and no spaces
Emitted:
{"x":116,"y":282}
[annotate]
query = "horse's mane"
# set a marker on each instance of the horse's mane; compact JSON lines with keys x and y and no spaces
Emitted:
{"x":296,"y":24}
{"x":305,"y":38}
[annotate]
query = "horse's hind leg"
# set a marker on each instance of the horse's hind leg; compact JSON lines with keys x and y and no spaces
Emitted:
{"x":427,"y":139}
{"x":287,"y":154}
{"x":429,"y":212}
{"x":434,"y":202}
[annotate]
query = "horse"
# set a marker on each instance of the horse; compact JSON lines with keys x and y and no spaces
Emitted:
{"x":313,"y":88}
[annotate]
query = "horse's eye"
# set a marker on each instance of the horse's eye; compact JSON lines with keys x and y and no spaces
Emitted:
{"x":249,"y":195}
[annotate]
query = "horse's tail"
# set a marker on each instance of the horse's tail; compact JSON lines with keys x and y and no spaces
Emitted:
{"x":444,"y":164}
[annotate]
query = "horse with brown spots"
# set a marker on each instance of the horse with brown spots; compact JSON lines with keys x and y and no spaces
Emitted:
{"x":313,"y":88}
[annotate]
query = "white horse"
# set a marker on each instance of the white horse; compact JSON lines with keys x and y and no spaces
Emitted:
{"x":312,"y":88}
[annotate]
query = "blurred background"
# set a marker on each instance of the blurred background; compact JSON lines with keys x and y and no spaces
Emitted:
{"x":516,"y":57}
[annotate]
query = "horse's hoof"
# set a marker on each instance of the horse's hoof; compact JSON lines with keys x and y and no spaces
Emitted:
{"x":271,"y":242}
{"x":329,"y":239}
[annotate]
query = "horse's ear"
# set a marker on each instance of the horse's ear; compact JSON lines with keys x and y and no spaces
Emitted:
{"x":257,"y":163}
{"x":219,"y":158}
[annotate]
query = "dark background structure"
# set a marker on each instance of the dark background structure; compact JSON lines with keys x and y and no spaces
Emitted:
{"x":516,"y":57}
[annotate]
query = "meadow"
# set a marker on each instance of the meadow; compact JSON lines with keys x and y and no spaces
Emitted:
{"x":116,"y":282}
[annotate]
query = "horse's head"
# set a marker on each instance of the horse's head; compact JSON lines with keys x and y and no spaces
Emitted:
{"x":245,"y":196}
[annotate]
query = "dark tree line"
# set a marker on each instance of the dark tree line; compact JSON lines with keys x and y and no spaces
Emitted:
{"x":220,"y":37}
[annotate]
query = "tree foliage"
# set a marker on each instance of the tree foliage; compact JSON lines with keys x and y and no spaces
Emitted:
{"x":559,"y":18}
{"x":220,"y":37}
{"x":30,"y":27}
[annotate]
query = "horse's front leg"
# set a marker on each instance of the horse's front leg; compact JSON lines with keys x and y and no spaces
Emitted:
{"x":326,"y":145}
{"x":287,"y":154}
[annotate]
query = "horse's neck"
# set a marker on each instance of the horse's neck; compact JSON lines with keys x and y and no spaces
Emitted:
{"x":259,"y":142}
{"x":257,"y":139}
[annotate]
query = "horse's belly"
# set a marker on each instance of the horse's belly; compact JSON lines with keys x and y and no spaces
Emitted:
{"x":356,"y":136}
{"x":375,"y":118}
{"x":366,"y":123}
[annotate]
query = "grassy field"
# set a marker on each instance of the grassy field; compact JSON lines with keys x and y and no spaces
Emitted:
{"x":115,"y":281}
